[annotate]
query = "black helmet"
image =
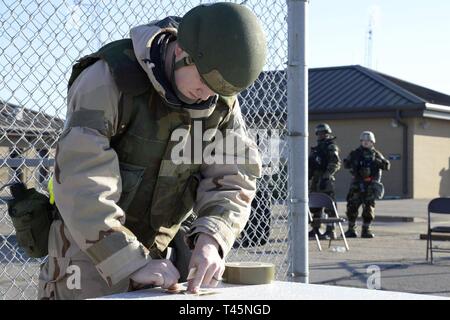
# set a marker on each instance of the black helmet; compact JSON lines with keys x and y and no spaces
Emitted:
{"x":323,"y":127}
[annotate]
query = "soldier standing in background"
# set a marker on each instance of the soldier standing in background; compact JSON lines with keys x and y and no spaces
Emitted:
{"x":365,"y":164}
{"x":323,"y":163}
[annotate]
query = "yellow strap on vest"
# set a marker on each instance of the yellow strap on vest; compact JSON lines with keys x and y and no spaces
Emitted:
{"x":50,"y":190}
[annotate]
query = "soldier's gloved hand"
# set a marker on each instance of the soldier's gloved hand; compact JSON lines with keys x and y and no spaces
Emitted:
{"x":207,"y":262}
{"x":382,"y":163}
{"x":158,"y":272}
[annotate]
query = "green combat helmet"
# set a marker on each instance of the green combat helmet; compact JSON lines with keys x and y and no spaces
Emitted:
{"x":367,"y":135}
{"x":226,"y":43}
{"x":323,"y":127}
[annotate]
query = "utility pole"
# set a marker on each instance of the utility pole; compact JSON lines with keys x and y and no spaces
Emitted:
{"x":369,"y":52}
{"x":368,"y":59}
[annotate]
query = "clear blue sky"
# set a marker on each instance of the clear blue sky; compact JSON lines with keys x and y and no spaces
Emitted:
{"x":411,"y":39}
{"x":39,"y":40}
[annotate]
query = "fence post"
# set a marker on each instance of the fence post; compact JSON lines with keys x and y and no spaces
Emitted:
{"x":298,"y":138}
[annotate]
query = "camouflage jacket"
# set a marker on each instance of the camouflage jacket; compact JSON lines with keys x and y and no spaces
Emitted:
{"x":324,"y":159}
{"x":92,"y":174}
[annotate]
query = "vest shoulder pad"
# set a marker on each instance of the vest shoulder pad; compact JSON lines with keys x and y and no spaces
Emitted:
{"x":128,"y":75}
{"x":333,"y":147}
{"x":82,"y":64}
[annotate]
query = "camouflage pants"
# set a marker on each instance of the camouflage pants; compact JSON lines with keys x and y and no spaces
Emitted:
{"x":360,"y":196}
{"x":328,"y":189}
{"x":55,"y":278}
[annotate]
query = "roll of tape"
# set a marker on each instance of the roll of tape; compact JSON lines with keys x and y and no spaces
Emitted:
{"x":249,"y":272}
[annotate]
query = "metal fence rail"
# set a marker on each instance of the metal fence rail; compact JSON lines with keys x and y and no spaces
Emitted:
{"x":40,"y":40}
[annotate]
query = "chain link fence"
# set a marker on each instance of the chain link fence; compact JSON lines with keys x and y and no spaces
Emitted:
{"x":40,"y":40}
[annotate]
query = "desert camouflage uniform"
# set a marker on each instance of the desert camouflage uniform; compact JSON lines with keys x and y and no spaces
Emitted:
{"x":122,"y":202}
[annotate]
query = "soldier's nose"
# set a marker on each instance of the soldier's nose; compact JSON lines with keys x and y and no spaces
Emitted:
{"x":202,"y":94}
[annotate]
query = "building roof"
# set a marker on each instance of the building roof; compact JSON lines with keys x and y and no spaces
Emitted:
{"x":17,"y":120}
{"x":348,"y":92}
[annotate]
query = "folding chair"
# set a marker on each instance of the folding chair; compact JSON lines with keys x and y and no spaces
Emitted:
{"x":437,"y":206}
{"x":310,"y":220}
{"x":323,"y":201}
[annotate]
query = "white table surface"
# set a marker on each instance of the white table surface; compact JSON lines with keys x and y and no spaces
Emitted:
{"x":277,"y":290}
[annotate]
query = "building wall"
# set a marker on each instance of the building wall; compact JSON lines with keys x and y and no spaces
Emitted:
{"x":389,"y":142}
{"x":4,"y":171}
{"x":431,"y":158}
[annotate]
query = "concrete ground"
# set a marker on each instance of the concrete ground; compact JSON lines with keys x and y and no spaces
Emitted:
{"x":396,"y":250}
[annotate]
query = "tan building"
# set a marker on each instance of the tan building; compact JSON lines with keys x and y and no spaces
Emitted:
{"x":411,"y":124}
{"x":27,"y":140}
{"x":428,"y":160}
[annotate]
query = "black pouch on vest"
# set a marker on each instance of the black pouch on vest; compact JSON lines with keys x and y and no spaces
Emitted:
{"x":31,"y":214}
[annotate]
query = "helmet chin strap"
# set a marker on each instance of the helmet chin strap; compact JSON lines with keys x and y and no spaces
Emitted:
{"x":184,"y":62}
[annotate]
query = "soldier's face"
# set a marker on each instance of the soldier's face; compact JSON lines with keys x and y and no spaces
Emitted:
{"x":367,"y":144}
{"x":322,"y":135}
{"x":189,"y":81}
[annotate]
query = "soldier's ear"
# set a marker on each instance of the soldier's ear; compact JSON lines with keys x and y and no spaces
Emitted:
{"x":179,"y":53}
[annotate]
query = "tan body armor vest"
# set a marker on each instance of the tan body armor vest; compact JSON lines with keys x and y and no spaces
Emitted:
{"x":157,"y":195}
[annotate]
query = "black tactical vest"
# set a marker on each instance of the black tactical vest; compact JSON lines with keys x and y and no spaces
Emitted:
{"x":363,"y":163}
{"x":319,"y":155}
